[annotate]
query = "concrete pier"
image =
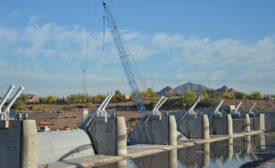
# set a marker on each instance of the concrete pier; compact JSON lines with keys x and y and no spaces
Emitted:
{"x":29,"y":153}
{"x":247,"y":123}
{"x":229,"y":125}
{"x":205,"y":127}
{"x":18,"y":147}
{"x":262,"y":121}
{"x":206,"y":157}
{"x":230,"y":148}
{"x":172,"y":130}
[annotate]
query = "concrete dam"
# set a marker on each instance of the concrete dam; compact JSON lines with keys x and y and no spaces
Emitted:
{"x":102,"y":138}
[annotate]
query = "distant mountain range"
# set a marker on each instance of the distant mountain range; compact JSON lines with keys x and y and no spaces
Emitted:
{"x":193,"y":87}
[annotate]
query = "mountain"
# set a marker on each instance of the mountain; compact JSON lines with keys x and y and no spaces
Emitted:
{"x":190,"y":87}
{"x":166,"y":91}
{"x":225,"y":89}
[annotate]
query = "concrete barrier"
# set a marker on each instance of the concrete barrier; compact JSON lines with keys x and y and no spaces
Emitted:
{"x":247,"y":123}
{"x":109,"y":135}
{"x":229,"y":125}
{"x":262,"y":122}
{"x":194,"y":128}
{"x":18,"y":144}
{"x":159,"y":130}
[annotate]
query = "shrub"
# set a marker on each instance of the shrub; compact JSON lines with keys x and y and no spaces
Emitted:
{"x":256,"y":96}
{"x":189,"y":98}
{"x":89,"y":105}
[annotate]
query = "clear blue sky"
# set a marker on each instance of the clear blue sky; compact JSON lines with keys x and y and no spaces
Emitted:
{"x":43,"y":44}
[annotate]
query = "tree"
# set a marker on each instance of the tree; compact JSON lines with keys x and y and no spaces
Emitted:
{"x":204,"y":94}
{"x":118,"y":96}
{"x":256,"y":96}
{"x":189,"y":98}
{"x":51,"y":99}
{"x":229,"y":95}
{"x":24,"y":98}
{"x":99,"y":98}
{"x":18,"y":104}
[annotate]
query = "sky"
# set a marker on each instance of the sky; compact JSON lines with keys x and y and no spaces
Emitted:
{"x":45,"y":45}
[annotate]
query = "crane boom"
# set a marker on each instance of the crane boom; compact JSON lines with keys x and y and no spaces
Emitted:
{"x":127,"y":61}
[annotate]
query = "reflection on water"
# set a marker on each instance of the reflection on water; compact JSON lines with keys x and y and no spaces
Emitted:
{"x":222,"y":154}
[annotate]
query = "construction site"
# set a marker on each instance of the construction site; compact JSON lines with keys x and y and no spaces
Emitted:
{"x":217,"y":136}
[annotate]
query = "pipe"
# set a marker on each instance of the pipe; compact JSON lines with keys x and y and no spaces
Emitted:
{"x":17,"y":94}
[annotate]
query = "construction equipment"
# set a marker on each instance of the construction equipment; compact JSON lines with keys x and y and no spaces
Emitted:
{"x":216,"y":113}
{"x":100,"y":112}
{"x":45,"y":123}
{"x":191,"y":111}
{"x":5,"y":115}
{"x":129,"y":66}
{"x":155,"y":111}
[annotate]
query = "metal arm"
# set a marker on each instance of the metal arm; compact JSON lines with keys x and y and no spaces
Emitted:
{"x":155,"y":110}
{"x":4,"y":99}
{"x":191,"y":110}
{"x":239,"y":105}
{"x":99,"y":112}
{"x":216,"y":112}
{"x":250,"y":111}
{"x":17,"y":94}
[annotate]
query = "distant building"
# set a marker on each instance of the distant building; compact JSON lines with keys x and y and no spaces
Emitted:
{"x":33,"y":98}
{"x":128,"y":97}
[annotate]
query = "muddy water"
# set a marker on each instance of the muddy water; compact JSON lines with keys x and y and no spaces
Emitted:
{"x":250,"y":151}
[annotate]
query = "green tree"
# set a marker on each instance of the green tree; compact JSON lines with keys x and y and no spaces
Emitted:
{"x":99,"y":98}
{"x":24,"y":98}
{"x":189,"y":98}
{"x":18,"y":104}
{"x":204,"y":94}
{"x":229,"y":95}
{"x":118,"y":96}
{"x":51,"y":99}
{"x":256,"y":96}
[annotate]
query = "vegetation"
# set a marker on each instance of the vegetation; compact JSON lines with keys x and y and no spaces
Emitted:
{"x":189,"y":98}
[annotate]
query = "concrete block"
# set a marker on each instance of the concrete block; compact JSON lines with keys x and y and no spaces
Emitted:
{"x":172,"y":130}
{"x":4,"y":124}
{"x":121,"y":136}
{"x":229,"y":125}
{"x":85,"y":114}
{"x":205,"y":127}
{"x":247,"y":123}
{"x":29,"y":153}
{"x":262,"y":121}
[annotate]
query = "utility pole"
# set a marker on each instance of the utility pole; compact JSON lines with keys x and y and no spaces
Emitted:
{"x":84,"y":80}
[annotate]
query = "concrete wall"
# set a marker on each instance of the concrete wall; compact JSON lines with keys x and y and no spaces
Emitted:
{"x":218,"y":126}
{"x":158,"y":131}
{"x":62,"y":145}
{"x":269,"y":121}
{"x":191,"y":127}
{"x":18,"y":144}
{"x":109,"y":135}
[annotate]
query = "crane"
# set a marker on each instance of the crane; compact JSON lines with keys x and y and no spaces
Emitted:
{"x":129,"y":66}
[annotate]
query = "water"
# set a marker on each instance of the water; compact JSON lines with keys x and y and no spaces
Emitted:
{"x":222,"y":154}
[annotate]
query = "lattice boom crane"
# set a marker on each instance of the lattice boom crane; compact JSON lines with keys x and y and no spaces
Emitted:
{"x":129,"y":66}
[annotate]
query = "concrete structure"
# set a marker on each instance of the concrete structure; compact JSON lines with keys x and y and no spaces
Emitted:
{"x":194,"y":128}
{"x":109,"y":135}
{"x":157,"y":131}
{"x":205,"y":127}
{"x":262,"y":121}
{"x":18,"y":144}
{"x":247,"y":123}
{"x":85,"y":114}
{"x":219,"y":126}
{"x":63,"y":145}
{"x":229,"y":125}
